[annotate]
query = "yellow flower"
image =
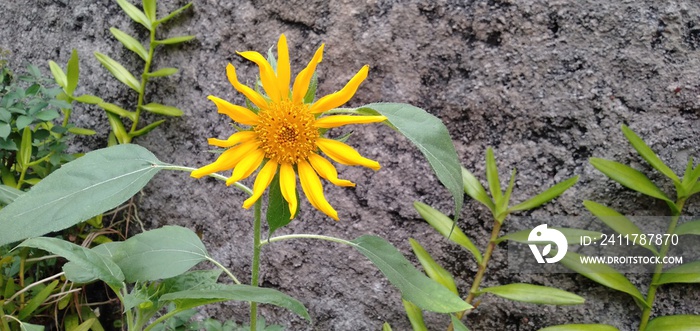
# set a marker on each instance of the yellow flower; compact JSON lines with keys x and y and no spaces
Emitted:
{"x":285,"y":133}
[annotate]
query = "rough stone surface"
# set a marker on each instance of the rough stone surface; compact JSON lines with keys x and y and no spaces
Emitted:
{"x":546,"y":83}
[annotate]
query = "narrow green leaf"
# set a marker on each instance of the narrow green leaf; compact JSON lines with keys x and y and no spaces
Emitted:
{"x":573,"y":236}
{"x":415,"y":316}
{"x":542,"y":295}
{"x":36,"y":301}
{"x":149,"y":8}
{"x":457,"y":324}
{"x":175,"y":13}
{"x":97,"y":265}
{"x":147,"y":128}
{"x":628,"y":177}
{"x":602,"y":274}
{"x":278,"y":214}
{"x":616,"y":221}
{"x":581,"y":327}
{"x":648,"y":154}
{"x":474,"y":189}
{"x":130,"y":43}
{"x":116,"y":110}
{"x":163,"y":72}
{"x":413,"y":284}
{"x":118,"y":128}
{"x":119,"y":72}
{"x":684,"y":273}
{"x":546,"y":196}
{"x":447,"y":228}
{"x":431,"y":137}
{"x":92,"y":184}
{"x":72,"y":72}
{"x":30,"y":327}
{"x":220,"y":292}
{"x":174,"y":40}
{"x":81,"y":131}
{"x":58,"y":75}
{"x":311,"y":92}
{"x":157,"y":108}
{"x":696,"y":188}
{"x":692,"y":227}
{"x":89,"y":99}
{"x":137,"y":15}
{"x":386,"y":327}
{"x":492,"y":177}
{"x":8,"y":194}
{"x":434,"y":270}
{"x":24,"y":156}
{"x":675,"y":323}
{"x":503,"y":206}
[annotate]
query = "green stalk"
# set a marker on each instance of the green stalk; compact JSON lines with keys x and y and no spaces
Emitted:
{"x":144,"y":79}
{"x":4,"y":325}
{"x":255,"y":273}
{"x":651,"y":293}
{"x":163,"y":318}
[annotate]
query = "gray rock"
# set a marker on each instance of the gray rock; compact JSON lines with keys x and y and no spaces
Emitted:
{"x":546,"y":83}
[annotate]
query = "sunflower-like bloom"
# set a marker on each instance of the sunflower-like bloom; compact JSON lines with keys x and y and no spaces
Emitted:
{"x":285,"y":133}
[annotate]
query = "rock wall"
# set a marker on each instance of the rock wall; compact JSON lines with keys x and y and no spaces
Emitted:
{"x":546,"y":83}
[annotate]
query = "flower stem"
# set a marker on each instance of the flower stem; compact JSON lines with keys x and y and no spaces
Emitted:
{"x":228,"y":272}
{"x":144,"y":79}
{"x":166,"y":166}
{"x":255,"y":273}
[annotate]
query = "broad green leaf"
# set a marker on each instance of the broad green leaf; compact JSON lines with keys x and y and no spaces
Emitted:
{"x":474,"y":189}
{"x":191,"y":280}
{"x":81,"y":131}
{"x":415,"y":316}
{"x":430,"y":135}
{"x":386,"y":327}
{"x":573,"y":236}
{"x":492,"y":177}
{"x":78,"y":274}
{"x":157,"y":108}
{"x":675,"y":323}
{"x":116,"y":110}
{"x":23,"y":122}
{"x":220,"y":292}
{"x":432,"y":268}
{"x":602,"y":274}
{"x":162,"y":72}
{"x":174,"y":40}
{"x":37,"y":300}
{"x":447,"y":228}
{"x":92,"y":184}
{"x":119,"y":71}
{"x":616,"y":221}
{"x":58,"y":75}
{"x":89,"y":99}
{"x":413,"y":284}
{"x":546,"y":196}
{"x":137,"y":15}
{"x":692,"y":227}
{"x":147,"y":128}
{"x":542,"y":295}
{"x":648,"y":154}
{"x":457,"y":324}
{"x":278,"y":214}
{"x":684,"y":273}
{"x":5,"y":130}
{"x":130,"y":43}
{"x":99,"y":266}
{"x":628,"y":177}
{"x":175,"y":13}
{"x":72,"y":72}
{"x":580,"y":327}
{"x":8,"y":194}
{"x":149,"y":8}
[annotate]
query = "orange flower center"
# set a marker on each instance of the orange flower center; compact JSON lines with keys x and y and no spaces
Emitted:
{"x":287,"y":132}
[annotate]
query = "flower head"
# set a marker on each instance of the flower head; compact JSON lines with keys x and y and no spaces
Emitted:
{"x":285,"y":133}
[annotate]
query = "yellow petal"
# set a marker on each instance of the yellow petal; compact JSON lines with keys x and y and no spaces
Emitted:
{"x":262,"y":181}
{"x":236,"y":113}
{"x":227,"y":160}
{"x":246,"y":166}
{"x":267,"y":75}
{"x":339,"y":98}
{"x":340,"y":120}
{"x":326,"y":170}
{"x":314,"y":190}
{"x":301,"y":82}
{"x":233,"y":140}
{"x":288,"y":186}
{"x":345,"y":154}
{"x":283,"y":68}
{"x":249,"y":93}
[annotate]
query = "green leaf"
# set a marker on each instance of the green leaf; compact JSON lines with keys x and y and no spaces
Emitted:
{"x":47,"y":115}
{"x":81,"y":131}
{"x":692,"y":227}
{"x":684,"y":273}
{"x":311,"y":92}
{"x":506,"y":196}
{"x":58,"y":75}
{"x":135,"y":14}
{"x":616,"y":221}
{"x":118,"y":128}
{"x":116,"y":110}
{"x":573,"y":236}
{"x":162,"y":72}
{"x":191,"y":280}
{"x":447,"y":228}
{"x":602,"y":274}
{"x":149,"y":8}
{"x":157,"y":108}
{"x":413,"y":285}
{"x":457,"y":324}
{"x":675,"y":323}
{"x":90,"y":185}
{"x":492,"y":176}
{"x":36,"y":301}
{"x":89,"y":99}
{"x":130,"y":43}
{"x":432,"y":268}
{"x":30,"y":327}
{"x":542,"y":295}
{"x":415,"y":316}
{"x":76,"y":273}
{"x":386,"y":327}
{"x":648,"y":155}
{"x":546,"y":196}
{"x":5,"y":130}
{"x":147,"y":128}
{"x":628,"y":177}
{"x":118,"y":70}
{"x":24,"y":156}
{"x":278,"y":214}
{"x":23,"y":122}
{"x":174,"y":40}
{"x":220,"y":292}
{"x":97,"y":265}
{"x":72,"y":72}
{"x":474,"y":189}
{"x":431,"y":137}
{"x":8,"y":194}
{"x":175,"y":13}
{"x":580,"y":327}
